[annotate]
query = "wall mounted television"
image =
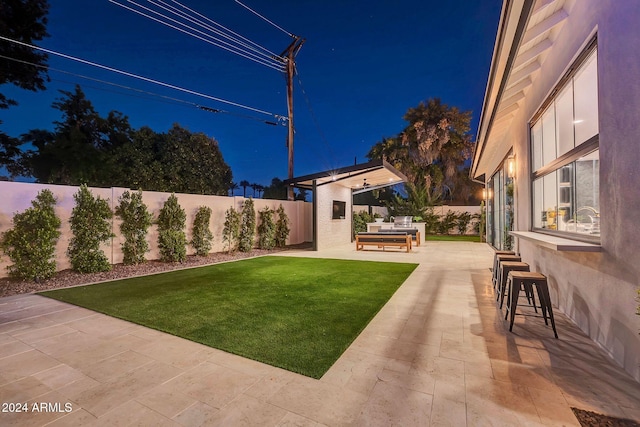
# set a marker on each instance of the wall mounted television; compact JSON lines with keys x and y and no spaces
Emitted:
{"x":339,"y":209}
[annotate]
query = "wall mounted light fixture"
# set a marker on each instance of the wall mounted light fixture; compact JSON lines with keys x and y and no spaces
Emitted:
{"x":511,"y":166}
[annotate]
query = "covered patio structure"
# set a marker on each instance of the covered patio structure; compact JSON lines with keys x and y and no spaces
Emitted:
{"x":333,"y":192}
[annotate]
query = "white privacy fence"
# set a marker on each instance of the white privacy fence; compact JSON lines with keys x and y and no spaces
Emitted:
{"x":17,"y":196}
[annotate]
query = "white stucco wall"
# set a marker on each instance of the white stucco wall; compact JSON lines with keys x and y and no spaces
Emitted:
{"x":16,"y":197}
{"x":596,"y":290}
{"x":332,"y":232}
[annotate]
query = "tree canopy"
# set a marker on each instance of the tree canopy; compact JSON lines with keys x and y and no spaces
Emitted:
{"x":432,"y":150}
{"x":24,"y":21}
{"x":85,"y":148}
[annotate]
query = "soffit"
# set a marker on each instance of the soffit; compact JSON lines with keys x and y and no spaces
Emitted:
{"x":501,"y":107}
{"x":374,"y":174}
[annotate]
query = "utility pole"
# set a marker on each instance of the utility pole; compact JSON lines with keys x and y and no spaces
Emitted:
{"x":290,"y":53}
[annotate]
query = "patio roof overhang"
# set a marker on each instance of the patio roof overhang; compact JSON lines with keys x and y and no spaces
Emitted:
{"x":359,"y":178}
{"x":526,"y":33}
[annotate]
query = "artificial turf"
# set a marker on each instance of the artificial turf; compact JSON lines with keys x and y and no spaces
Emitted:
{"x":299,"y":314}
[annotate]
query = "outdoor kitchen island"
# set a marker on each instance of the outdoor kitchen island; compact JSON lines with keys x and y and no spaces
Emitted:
{"x":401,"y":223}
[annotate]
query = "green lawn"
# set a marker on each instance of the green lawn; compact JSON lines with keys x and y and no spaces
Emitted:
{"x":453,"y":238}
{"x":296,"y":313}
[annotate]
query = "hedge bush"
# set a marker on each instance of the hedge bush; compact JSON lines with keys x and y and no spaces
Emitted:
{"x":136,"y":220}
{"x":267,"y":229}
{"x":360,"y":220}
{"x":31,"y":243}
{"x":172,"y":240}
{"x":201,"y":234}
{"x":231,"y":230}
{"x":90,"y":227}
{"x":282,"y":227}
{"x":247,"y":226}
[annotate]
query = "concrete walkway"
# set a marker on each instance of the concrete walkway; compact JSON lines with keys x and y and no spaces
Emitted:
{"x":438,"y":353}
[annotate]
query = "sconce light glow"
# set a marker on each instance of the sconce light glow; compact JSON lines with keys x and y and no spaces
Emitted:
{"x":511,"y":166}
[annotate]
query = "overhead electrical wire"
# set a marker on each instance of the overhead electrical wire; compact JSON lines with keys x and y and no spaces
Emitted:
{"x":230,"y":34}
{"x":240,"y":48}
{"x":265,"y":19}
{"x":151,"y":95}
{"x":314,"y":118}
{"x":278,"y":117}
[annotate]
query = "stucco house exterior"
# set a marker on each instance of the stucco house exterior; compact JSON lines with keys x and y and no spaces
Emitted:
{"x":558,"y":147}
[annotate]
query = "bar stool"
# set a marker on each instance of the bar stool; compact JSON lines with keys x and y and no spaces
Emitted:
{"x":495,"y":263}
{"x":496,"y":267}
{"x":505,"y":268}
{"x":527,"y":280}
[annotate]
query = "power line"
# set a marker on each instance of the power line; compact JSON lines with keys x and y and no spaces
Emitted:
{"x":230,"y":34}
{"x":280,"y":120}
{"x":269,"y":62}
{"x":265,"y":19}
{"x":136,"y":76}
{"x":315,"y":119}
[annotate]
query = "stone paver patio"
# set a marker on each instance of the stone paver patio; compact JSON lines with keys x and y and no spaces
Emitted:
{"x":438,"y":353}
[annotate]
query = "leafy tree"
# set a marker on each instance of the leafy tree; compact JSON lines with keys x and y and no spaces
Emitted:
{"x":231,"y":230}
{"x":136,"y":220}
{"x":277,"y":190}
{"x":360,"y":220}
{"x":432,"y":149}
{"x":417,"y":203}
{"x":172,"y":239}
{"x":70,"y":155}
{"x":24,"y":21}
{"x":31,"y":243}
{"x":202,"y":236}
{"x":91,"y":227}
{"x":244,"y":184}
{"x":282,"y":227}
{"x":193,"y":163}
{"x":87,"y":148}
{"x":266,"y":229}
{"x":301,"y":195}
{"x":247,"y":226}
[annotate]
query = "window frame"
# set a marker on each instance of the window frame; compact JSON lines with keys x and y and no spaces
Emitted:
{"x":590,"y":145}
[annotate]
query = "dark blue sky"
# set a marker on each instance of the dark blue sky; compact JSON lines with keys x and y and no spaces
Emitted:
{"x":362,"y":66}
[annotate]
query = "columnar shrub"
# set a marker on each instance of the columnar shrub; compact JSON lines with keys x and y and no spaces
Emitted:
{"x":91,"y":227}
{"x":231,"y":230}
{"x":201,"y":235}
{"x":172,"y":240}
{"x":247,"y":226}
{"x":266,"y":229}
{"x":282,"y":228}
{"x":447,"y":222}
{"x":463,"y":221}
{"x":31,"y":243}
{"x":136,"y":220}
{"x":360,"y":220}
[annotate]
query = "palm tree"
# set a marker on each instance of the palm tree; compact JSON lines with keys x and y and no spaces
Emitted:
{"x":244,"y":184}
{"x":254,"y":186}
{"x":260,"y":190}
{"x":232,"y":187}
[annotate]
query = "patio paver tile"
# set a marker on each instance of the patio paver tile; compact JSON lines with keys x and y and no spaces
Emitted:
{"x":133,"y":413}
{"x":390,"y":404}
{"x":196,"y":415}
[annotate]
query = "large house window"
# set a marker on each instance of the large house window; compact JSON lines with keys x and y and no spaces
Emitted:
{"x":565,"y":155}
